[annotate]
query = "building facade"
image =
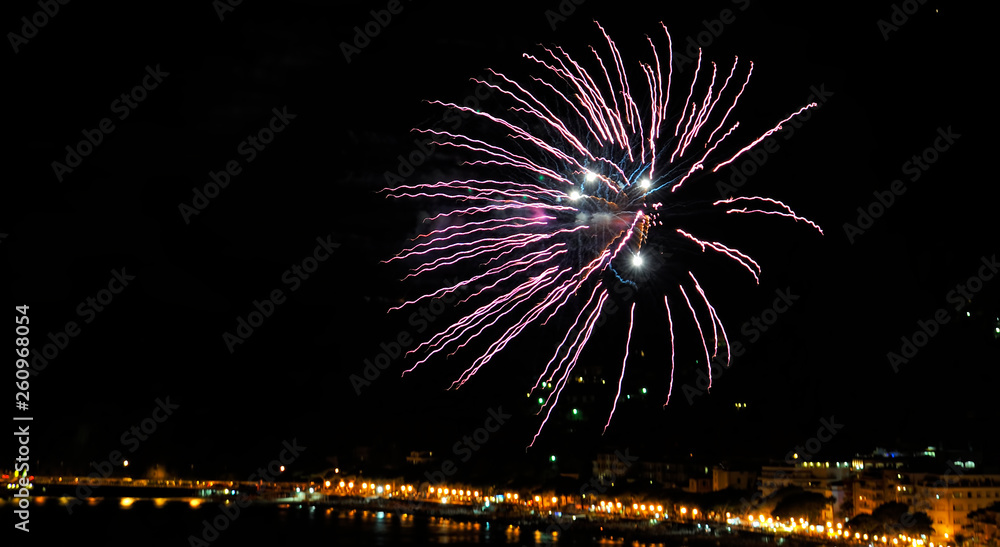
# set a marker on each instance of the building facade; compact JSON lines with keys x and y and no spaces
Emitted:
{"x":948,"y":500}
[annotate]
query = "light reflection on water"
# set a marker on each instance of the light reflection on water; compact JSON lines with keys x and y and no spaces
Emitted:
{"x":307,"y":524}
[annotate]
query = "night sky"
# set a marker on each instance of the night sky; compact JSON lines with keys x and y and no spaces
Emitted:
{"x":886,"y":95}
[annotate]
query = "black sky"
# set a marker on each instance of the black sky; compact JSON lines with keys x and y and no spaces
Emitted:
{"x":162,"y":335}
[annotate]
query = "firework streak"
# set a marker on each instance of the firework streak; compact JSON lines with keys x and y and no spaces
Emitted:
{"x":575,"y":199}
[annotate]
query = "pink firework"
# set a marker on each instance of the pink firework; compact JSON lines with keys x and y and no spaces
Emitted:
{"x":574,"y":199}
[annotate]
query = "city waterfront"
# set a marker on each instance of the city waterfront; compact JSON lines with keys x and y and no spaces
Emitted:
{"x":155,"y":522}
{"x":165,"y":512}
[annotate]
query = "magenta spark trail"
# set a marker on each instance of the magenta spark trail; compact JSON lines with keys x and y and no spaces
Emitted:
{"x":590,"y":154}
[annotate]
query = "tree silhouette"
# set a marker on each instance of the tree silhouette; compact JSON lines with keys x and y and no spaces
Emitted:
{"x":864,"y":524}
{"x":807,"y":505}
{"x":890,"y":519}
{"x":890,"y":515}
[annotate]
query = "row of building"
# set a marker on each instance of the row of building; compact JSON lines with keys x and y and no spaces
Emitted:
{"x":961,"y":501}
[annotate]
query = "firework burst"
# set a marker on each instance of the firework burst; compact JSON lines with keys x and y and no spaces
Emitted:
{"x":580,"y":196}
